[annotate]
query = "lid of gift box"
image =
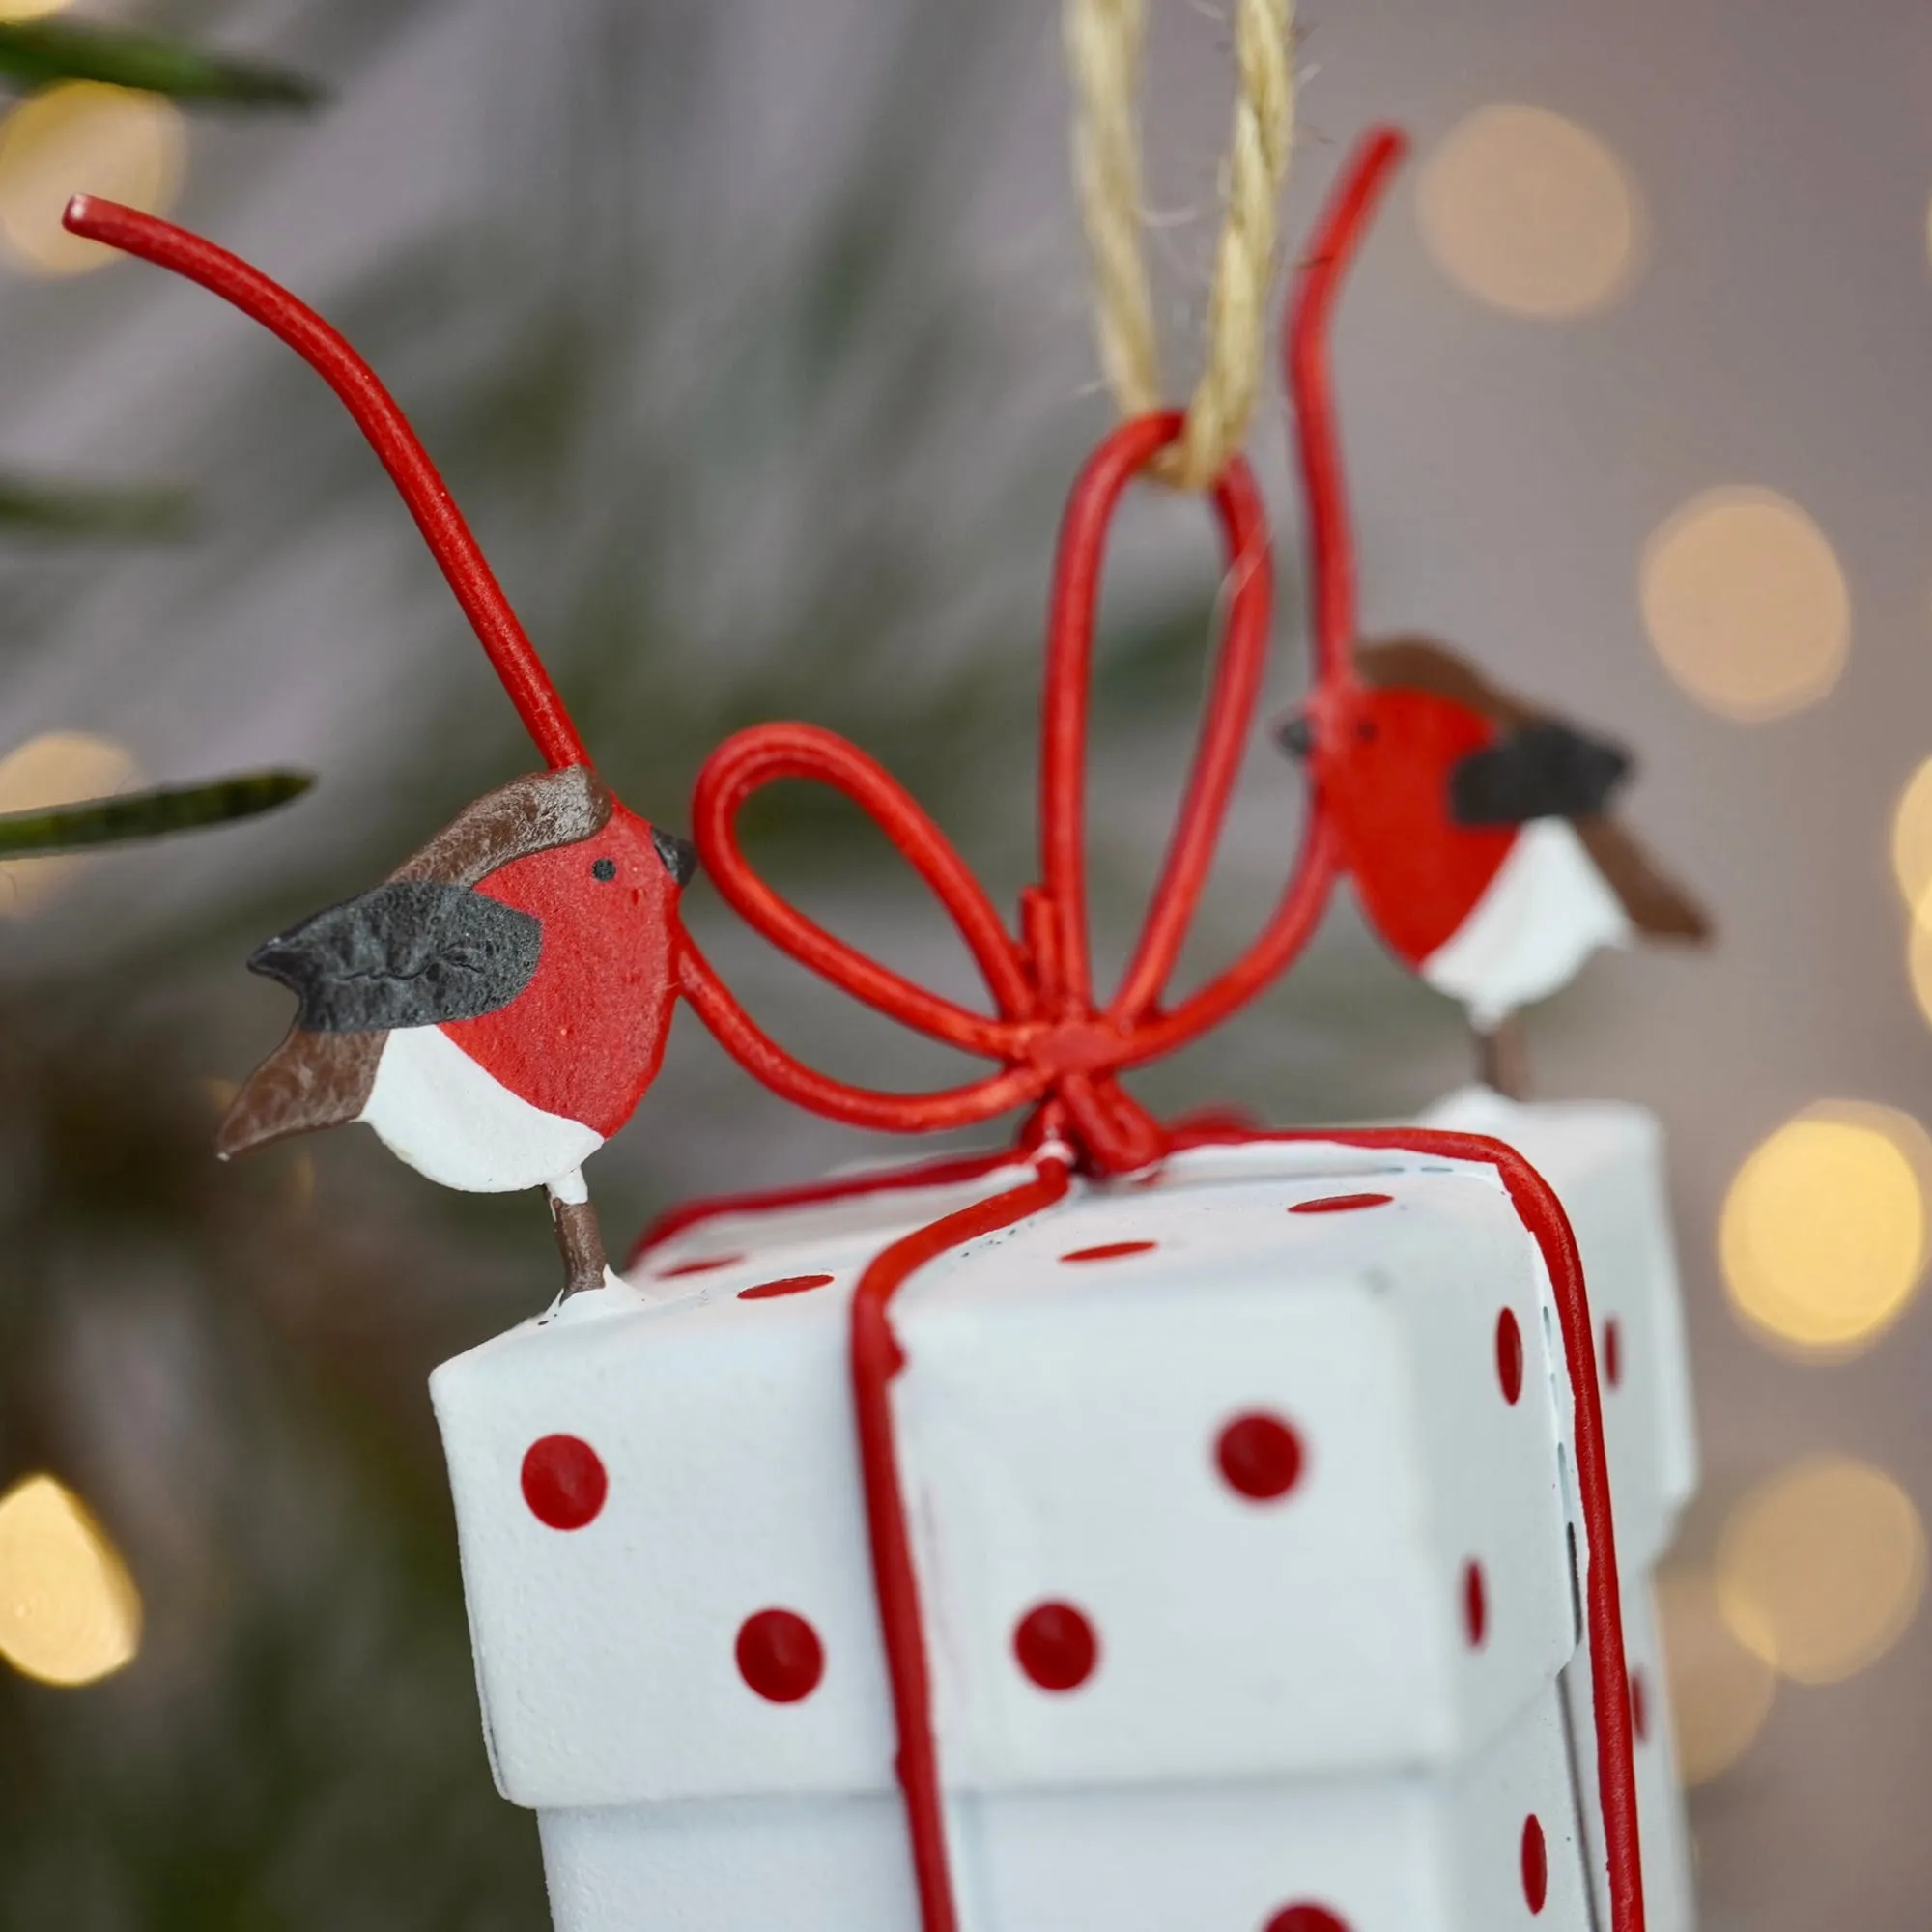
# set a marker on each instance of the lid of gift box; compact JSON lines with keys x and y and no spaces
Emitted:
{"x":1257,"y":1469}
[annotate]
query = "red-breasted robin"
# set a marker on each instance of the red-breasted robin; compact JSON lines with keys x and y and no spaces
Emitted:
{"x":1477,"y":829}
{"x":496,"y":1008}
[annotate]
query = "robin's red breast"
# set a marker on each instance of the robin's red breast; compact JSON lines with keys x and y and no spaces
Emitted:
{"x":1477,"y":829}
{"x":498,"y":1006}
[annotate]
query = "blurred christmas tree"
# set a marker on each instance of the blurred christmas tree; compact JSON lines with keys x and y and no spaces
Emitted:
{"x":736,"y":455}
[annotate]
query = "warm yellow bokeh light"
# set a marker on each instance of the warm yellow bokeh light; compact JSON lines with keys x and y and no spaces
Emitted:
{"x":83,"y":138}
{"x":1919,"y":959}
{"x":1745,"y":604}
{"x":1823,"y":1237}
{"x":56,"y":768}
{"x":29,"y":10}
{"x":1822,"y":1568}
{"x":1529,"y":213}
{"x":1911,"y":837}
{"x":1721,"y":1690}
{"x":68,"y":1610}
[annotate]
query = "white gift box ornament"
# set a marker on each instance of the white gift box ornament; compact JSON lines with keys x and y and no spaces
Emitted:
{"x":1142,"y":1527}
{"x":1238,"y":1515}
{"x":1607,"y":1163}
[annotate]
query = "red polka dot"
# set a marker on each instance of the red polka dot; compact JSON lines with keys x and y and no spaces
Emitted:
{"x":1535,"y":1864}
{"x":1639,"y":1706}
{"x":1109,"y":1250}
{"x":1260,"y":1457}
{"x":1613,"y":1351}
{"x":791,"y":1284}
{"x":564,"y":1482}
{"x":1056,"y":1646}
{"x":1340,"y":1204}
{"x":780,"y":1655}
{"x":1305,"y":1918}
{"x":1509,"y":1355}
{"x":1475,"y":1604}
{"x":703,"y":1266}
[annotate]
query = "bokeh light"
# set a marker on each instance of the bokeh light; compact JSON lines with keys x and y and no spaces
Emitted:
{"x":1911,"y":837}
{"x":82,"y":138}
{"x":56,"y":768}
{"x":1721,"y":1690}
{"x":1531,"y":213}
{"x":1822,"y":1568}
{"x":68,"y":1610}
{"x":1823,"y":1233}
{"x":30,"y":10}
{"x":1919,"y":960}
{"x":1745,"y":604}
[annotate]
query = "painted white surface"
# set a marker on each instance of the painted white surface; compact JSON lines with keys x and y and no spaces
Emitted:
{"x":1286,"y":1706}
{"x":1400,"y":1852}
{"x":1605,"y":1161}
{"x":1545,"y":911}
{"x":1058,"y":1427}
{"x":1057,"y":1423}
{"x":435,"y":1108}
{"x":1662,"y":1831}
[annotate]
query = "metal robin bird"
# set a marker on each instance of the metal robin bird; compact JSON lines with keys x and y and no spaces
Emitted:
{"x":496,"y":1008}
{"x":1478,"y":832}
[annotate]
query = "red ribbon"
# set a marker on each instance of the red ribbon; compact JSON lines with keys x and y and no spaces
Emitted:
{"x":1059,"y":1049}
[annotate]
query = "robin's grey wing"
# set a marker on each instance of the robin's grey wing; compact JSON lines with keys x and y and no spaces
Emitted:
{"x":412,"y":952}
{"x":1545,"y":769}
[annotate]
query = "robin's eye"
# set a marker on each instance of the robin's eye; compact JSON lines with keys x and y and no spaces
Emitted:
{"x":604,"y":868}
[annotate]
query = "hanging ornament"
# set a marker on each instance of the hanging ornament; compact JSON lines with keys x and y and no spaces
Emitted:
{"x":1474,"y":825}
{"x":1140,"y":1526}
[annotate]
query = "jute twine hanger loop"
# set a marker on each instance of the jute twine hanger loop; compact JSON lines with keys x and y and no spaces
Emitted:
{"x":1104,"y":41}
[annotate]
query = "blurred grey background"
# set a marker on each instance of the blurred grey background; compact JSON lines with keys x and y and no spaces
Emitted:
{"x":753,"y":337}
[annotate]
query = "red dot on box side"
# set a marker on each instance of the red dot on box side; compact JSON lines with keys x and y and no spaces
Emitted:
{"x":780,"y":1655}
{"x":792,"y":1283}
{"x":1260,"y":1457}
{"x":1535,"y":1864}
{"x":1475,"y":1604}
{"x":703,"y":1266}
{"x":1613,"y":1351}
{"x":1340,"y":1204}
{"x":1509,"y":1355}
{"x":1056,"y":1646}
{"x":1306,"y":1919}
{"x":1109,"y":1250}
{"x":564,"y":1481}
{"x":1639,"y":1706}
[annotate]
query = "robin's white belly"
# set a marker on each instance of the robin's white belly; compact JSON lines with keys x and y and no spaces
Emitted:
{"x":1545,"y":911}
{"x":435,"y":1108}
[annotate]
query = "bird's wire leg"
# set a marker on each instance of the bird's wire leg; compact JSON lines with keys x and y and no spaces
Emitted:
{"x":1502,"y":1058}
{"x":578,"y":1235}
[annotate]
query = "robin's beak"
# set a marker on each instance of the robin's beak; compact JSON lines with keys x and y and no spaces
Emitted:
{"x":679,"y":855}
{"x":1296,"y":735}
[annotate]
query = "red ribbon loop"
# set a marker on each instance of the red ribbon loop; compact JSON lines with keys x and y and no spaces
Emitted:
{"x":1056,"y":1046}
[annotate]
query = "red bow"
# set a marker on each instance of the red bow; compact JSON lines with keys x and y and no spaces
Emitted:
{"x":1059,"y":1049}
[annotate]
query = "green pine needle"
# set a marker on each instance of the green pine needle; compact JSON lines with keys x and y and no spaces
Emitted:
{"x":133,"y":510}
{"x":147,"y":814}
{"x":38,"y":54}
